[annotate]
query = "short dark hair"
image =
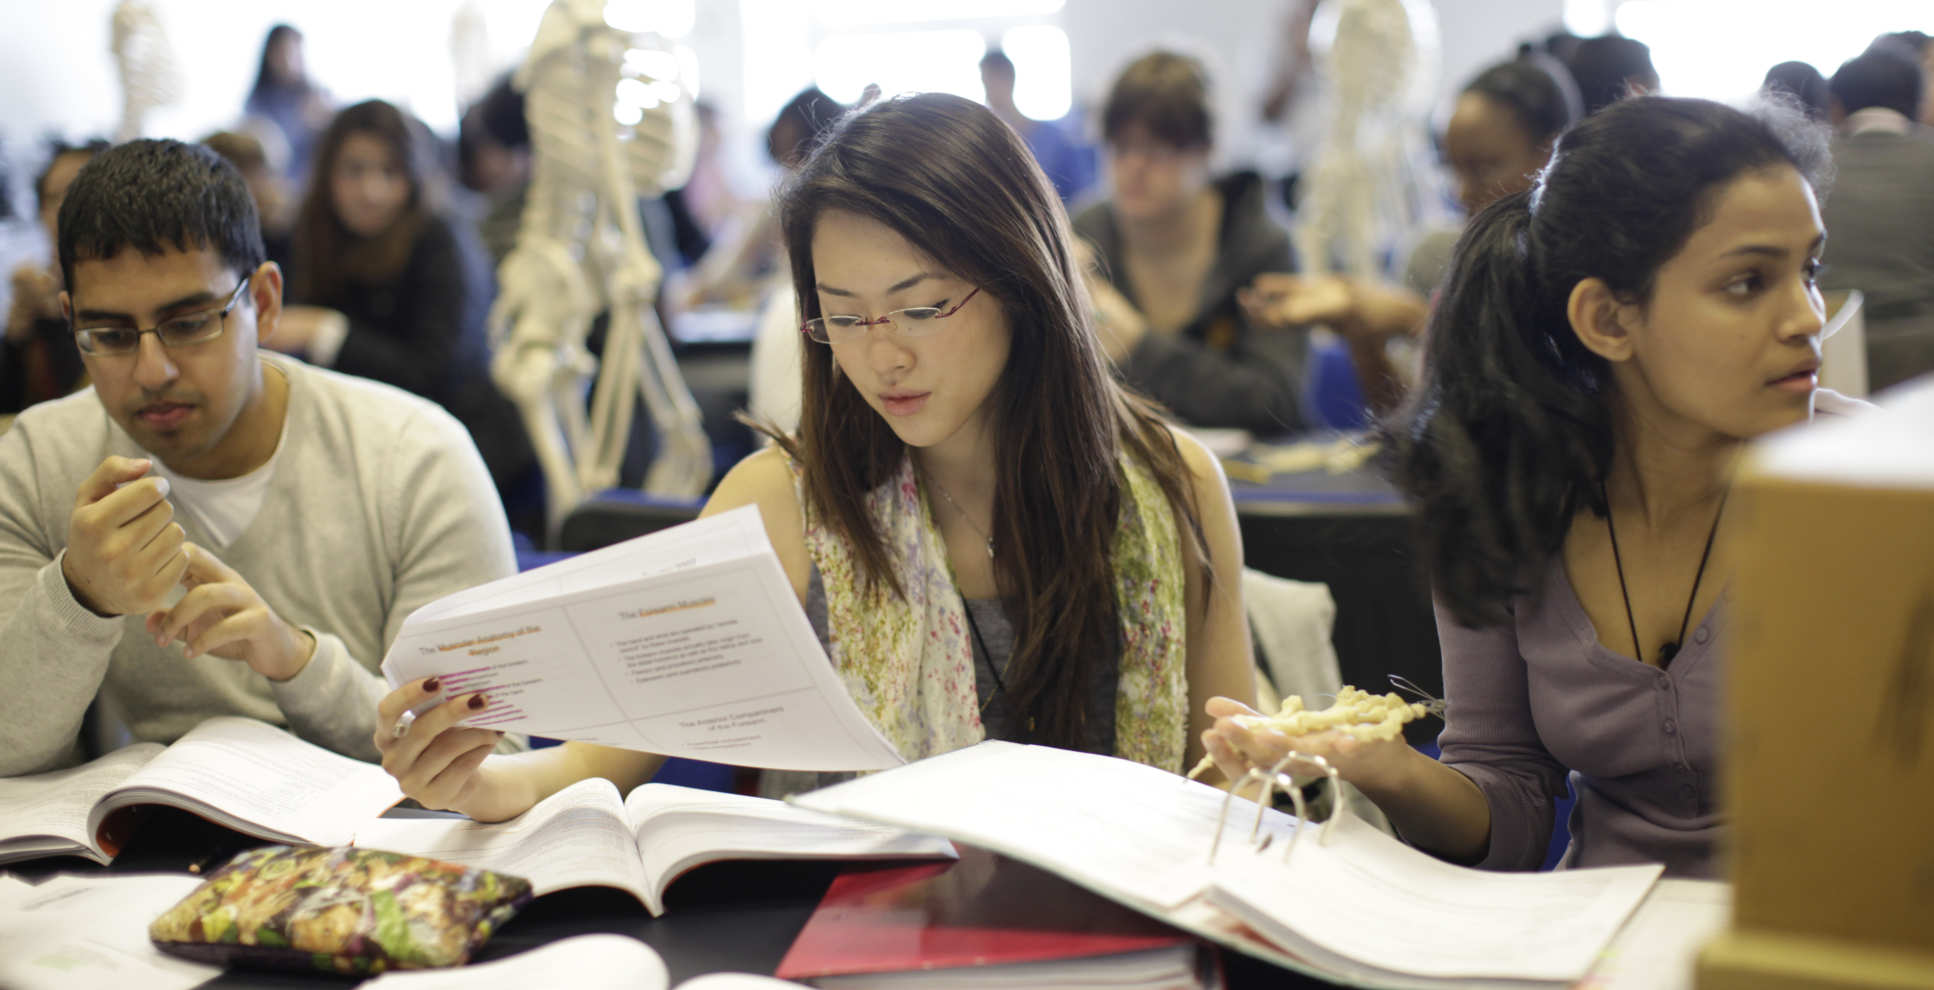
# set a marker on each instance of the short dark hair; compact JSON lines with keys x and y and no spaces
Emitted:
{"x":1885,"y":75}
{"x":1536,"y":89}
{"x":796,"y":130}
{"x":57,"y":150}
{"x":1166,"y":92}
{"x":1604,"y":67}
{"x":1509,"y":434}
{"x":157,"y":196}
{"x":1915,"y":42}
{"x":242,"y":149}
{"x":1802,"y":82}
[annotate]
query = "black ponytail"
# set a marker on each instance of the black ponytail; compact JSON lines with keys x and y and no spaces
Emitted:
{"x":1509,"y":433}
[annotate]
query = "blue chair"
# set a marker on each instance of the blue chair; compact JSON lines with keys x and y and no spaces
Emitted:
{"x":1335,"y":397}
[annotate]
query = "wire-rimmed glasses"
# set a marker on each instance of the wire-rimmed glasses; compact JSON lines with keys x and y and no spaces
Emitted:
{"x":913,"y":321}
{"x":180,"y":331}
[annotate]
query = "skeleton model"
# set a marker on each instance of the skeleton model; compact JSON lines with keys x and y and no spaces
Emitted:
{"x":150,"y":76}
{"x":1369,"y":187}
{"x":610,"y":120}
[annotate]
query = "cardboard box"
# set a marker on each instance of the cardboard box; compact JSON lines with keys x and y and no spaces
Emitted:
{"x":1829,"y":764}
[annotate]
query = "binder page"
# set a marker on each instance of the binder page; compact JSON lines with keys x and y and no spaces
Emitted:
{"x":577,"y":837}
{"x":1657,"y":949}
{"x":714,"y":661}
{"x":1365,"y":904}
{"x":1129,"y":831}
{"x":254,"y":777}
{"x":47,"y":812}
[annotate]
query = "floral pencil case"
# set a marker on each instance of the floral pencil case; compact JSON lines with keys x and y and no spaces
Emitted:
{"x":340,"y":910}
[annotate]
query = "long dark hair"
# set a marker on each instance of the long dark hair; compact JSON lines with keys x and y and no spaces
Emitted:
{"x":263,"y":83}
{"x":324,"y":254}
{"x":948,"y":176}
{"x":1509,"y":434}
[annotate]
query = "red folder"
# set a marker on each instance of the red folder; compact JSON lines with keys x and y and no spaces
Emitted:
{"x":983,"y":910}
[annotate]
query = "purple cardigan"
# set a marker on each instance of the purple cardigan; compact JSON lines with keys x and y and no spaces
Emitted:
{"x":1537,"y":696}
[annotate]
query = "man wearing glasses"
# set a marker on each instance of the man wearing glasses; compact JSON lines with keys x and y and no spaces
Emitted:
{"x":211,"y":529}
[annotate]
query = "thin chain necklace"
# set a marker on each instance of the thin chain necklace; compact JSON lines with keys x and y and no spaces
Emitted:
{"x":1670,"y":648}
{"x":942,"y":489}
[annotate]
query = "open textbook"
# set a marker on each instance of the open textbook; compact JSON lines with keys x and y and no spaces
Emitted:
{"x":687,"y":642}
{"x":585,"y":836}
{"x":237,"y":772}
{"x":1347,"y":903}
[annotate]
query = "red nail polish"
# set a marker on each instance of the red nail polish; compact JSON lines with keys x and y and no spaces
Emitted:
{"x":430,"y":684}
{"x":477,"y":701}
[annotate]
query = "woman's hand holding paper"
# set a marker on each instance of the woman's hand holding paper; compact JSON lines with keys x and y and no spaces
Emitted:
{"x":437,"y":761}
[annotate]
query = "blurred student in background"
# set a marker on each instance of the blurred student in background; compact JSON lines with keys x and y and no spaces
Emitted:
{"x":494,"y":161}
{"x":1882,"y":210}
{"x":1610,"y":68}
{"x":1174,"y":245}
{"x":273,"y":203}
{"x":1068,"y":162}
{"x":1803,"y":84}
{"x":284,"y":96}
{"x":385,"y":285}
{"x":1500,"y":135}
{"x":37,"y":359}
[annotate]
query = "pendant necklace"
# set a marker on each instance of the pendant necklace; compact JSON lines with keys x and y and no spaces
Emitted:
{"x":1670,"y":648}
{"x":937,"y":486}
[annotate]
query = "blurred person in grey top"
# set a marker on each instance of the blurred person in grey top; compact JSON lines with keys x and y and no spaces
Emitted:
{"x":1604,"y":345}
{"x":211,"y":530}
{"x":1881,"y":212}
{"x":1174,"y":249}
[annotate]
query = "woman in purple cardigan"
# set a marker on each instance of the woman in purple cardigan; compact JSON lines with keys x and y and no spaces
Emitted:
{"x":1605,"y":343}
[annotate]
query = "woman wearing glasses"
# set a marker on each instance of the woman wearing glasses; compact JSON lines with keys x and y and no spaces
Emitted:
{"x":992,"y":537}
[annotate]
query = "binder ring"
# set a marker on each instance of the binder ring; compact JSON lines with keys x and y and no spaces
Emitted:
{"x":1271,"y":779}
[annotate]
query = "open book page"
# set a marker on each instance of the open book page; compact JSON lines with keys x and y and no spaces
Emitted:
{"x":91,"y":933}
{"x":714,"y":661}
{"x":1128,"y":831}
{"x":1657,"y":948}
{"x":679,"y":828}
{"x":577,"y":837}
{"x":255,"y":778}
{"x":594,"y":962}
{"x":1368,"y":906}
{"x":46,"y":814}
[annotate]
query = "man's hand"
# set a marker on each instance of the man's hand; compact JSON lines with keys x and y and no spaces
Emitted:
{"x":36,"y":296}
{"x":222,"y":615}
{"x":1117,"y":322}
{"x":125,"y":552}
{"x":299,"y":327}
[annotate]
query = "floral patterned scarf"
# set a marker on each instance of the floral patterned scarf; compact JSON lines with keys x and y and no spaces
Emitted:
{"x":908,"y":661}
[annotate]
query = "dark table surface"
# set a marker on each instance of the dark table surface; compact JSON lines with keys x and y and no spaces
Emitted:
{"x":1351,"y":531}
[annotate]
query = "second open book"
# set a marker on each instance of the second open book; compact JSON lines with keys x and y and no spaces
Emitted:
{"x":585,"y":836}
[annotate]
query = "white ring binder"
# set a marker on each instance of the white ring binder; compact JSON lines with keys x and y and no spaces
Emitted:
{"x":1271,"y":779}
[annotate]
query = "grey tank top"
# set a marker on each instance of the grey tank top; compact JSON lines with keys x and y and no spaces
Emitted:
{"x":993,"y":646}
